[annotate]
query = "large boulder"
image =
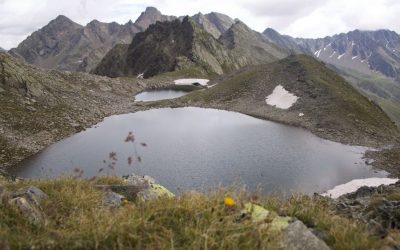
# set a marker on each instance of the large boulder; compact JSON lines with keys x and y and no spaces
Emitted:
{"x":27,"y":201}
{"x":266,"y":218}
{"x":298,"y":236}
{"x":112,"y":199}
{"x":295,"y":235}
{"x":28,"y":210}
{"x":138,"y":188}
{"x":31,"y":193}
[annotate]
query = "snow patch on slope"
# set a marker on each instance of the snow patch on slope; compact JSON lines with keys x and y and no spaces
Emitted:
{"x":191,"y":81}
{"x":317,"y":53}
{"x":281,"y":98}
{"x":353,"y":185}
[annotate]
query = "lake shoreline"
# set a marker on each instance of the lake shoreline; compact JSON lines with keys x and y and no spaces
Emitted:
{"x":127,"y":105}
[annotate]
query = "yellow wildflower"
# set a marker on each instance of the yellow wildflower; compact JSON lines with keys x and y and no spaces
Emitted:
{"x":229,"y":201}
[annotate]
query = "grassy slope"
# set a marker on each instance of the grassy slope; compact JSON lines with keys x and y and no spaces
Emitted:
{"x":384,"y":91}
{"x":333,"y":108}
{"x":76,"y":219}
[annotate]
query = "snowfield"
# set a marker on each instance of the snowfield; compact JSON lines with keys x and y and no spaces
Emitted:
{"x":353,"y":185}
{"x":281,"y":98}
{"x":191,"y":81}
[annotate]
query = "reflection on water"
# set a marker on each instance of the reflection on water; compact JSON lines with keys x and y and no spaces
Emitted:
{"x":194,"y":148}
{"x":162,"y":94}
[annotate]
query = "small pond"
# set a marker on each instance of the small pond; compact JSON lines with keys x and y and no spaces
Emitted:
{"x":194,"y":148}
{"x":161,"y":94}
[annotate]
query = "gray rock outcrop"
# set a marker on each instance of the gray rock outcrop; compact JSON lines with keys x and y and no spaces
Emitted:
{"x":27,"y":201}
{"x":377,"y":207}
{"x":297,"y":236}
{"x":112,"y":199}
{"x":136,"y":188}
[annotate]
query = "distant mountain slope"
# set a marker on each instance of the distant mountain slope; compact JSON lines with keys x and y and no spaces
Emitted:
{"x":327,"y":105}
{"x":370,"y":60}
{"x":66,"y":45}
{"x":214,"y":23}
{"x":2,"y":50}
{"x":249,"y":46}
{"x":364,"y":51}
{"x":285,"y":41}
{"x":184,"y":45}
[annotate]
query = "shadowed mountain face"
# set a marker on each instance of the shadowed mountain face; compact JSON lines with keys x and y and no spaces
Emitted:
{"x":370,"y":60}
{"x":66,"y":45}
{"x":185,"y":45}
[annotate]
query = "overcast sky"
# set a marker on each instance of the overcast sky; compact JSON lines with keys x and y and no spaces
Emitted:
{"x":299,"y":18}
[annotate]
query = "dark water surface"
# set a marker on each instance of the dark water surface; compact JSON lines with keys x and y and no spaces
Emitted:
{"x":162,"y":94}
{"x":194,"y":148}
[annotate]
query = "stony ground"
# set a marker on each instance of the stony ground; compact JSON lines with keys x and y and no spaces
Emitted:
{"x":40,"y":107}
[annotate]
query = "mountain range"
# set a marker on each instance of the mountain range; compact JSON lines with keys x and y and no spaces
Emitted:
{"x":186,"y":46}
{"x":65,"y":45}
{"x":363,"y":51}
{"x":211,"y":43}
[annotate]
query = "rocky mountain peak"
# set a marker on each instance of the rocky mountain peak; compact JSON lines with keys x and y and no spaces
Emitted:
{"x":152,"y":10}
{"x":270,"y":31}
{"x":214,"y":23}
{"x":199,"y":18}
{"x":62,"y":19}
{"x":240,"y":26}
{"x":150,"y":16}
{"x":236,"y":34}
{"x":188,"y":46}
{"x":61,"y":23}
{"x":94,"y":22}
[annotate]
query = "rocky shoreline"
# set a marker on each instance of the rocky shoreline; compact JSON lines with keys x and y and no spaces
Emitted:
{"x":377,"y":207}
{"x":100,"y":97}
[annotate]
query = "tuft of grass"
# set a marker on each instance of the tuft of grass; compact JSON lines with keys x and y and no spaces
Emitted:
{"x":76,"y":219}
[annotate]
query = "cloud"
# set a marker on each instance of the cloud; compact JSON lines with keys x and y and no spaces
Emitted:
{"x":319,"y":18}
{"x":282,"y":8}
{"x":301,"y":18}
